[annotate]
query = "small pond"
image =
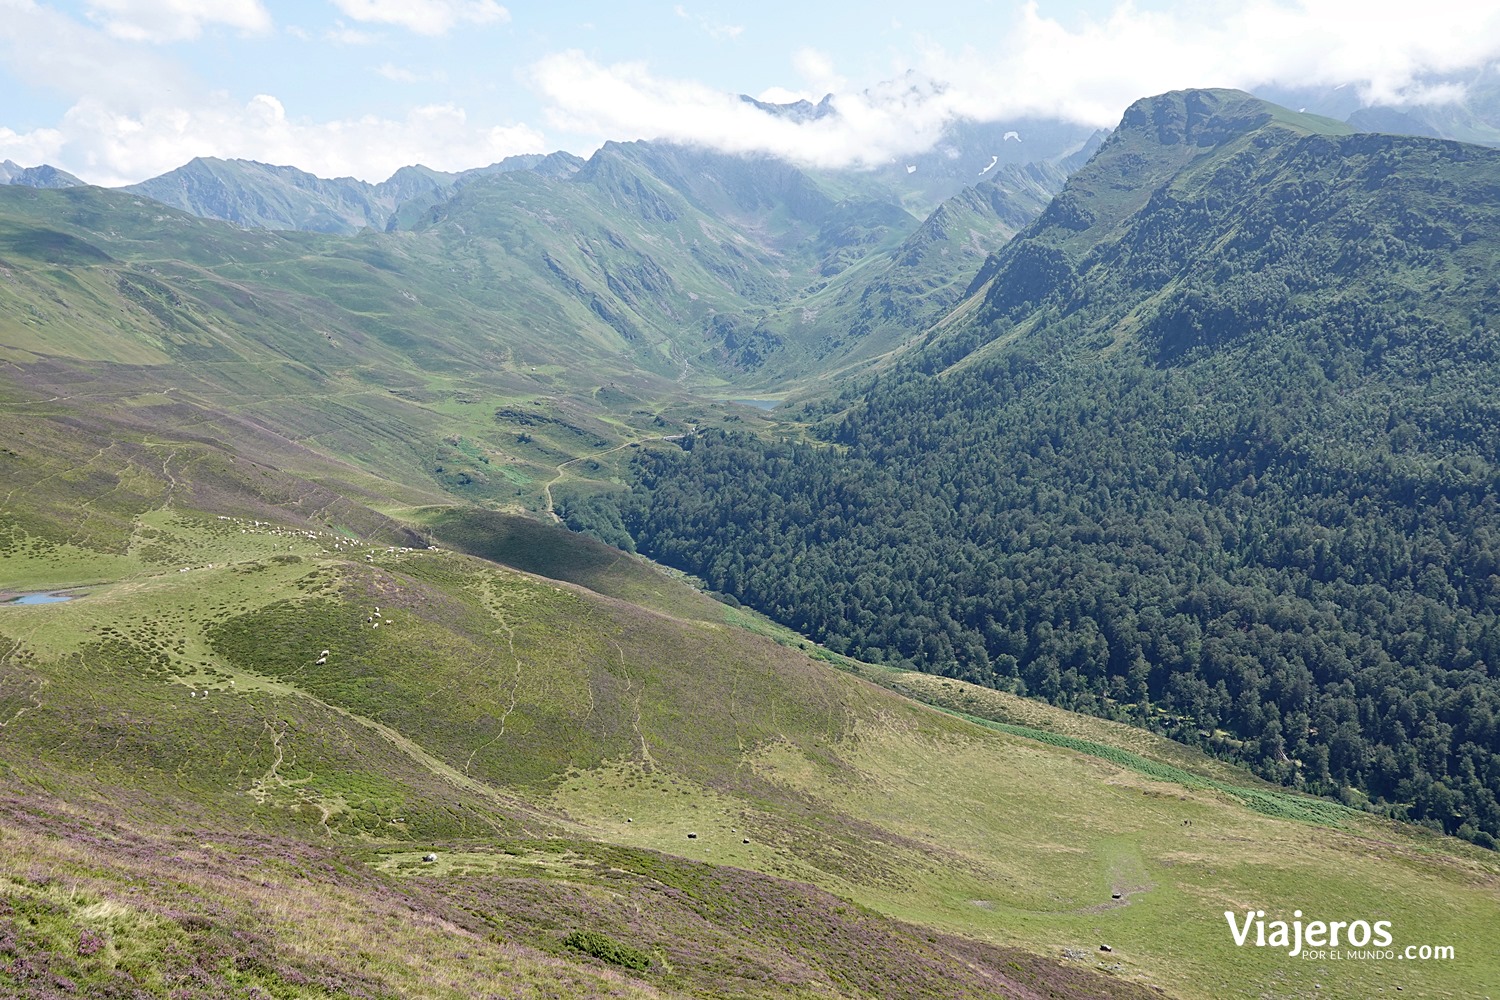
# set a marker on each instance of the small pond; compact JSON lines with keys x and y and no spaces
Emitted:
{"x":40,"y":599}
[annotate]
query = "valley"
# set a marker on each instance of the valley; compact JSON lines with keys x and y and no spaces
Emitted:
{"x":338,"y":704}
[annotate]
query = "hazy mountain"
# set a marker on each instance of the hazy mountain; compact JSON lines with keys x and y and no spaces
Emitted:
{"x":262,"y":196}
{"x":969,"y":150}
{"x":798,"y":111}
{"x":259,"y":195}
{"x":44,"y":176}
{"x":1473,"y":117}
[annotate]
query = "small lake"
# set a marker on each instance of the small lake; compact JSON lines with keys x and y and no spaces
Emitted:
{"x":759,"y":404}
{"x":39,"y":599}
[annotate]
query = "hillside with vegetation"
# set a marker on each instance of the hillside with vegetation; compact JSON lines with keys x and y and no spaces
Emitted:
{"x":333,"y":707}
{"x":1210,"y":448}
{"x":252,"y":754}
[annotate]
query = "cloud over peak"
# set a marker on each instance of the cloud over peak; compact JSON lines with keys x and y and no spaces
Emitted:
{"x":1038,"y":66}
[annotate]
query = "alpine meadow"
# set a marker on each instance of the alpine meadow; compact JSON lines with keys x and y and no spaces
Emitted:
{"x":1041,"y":561}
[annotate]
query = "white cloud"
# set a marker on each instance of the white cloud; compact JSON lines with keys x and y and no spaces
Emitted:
{"x":1088,"y":73}
{"x":1092,"y":72}
{"x":816,"y":69}
{"x":31,"y":148}
{"x":176,"y":20}
{"x":626,"y":101}
{"x":49,"y":49}
{"x":134,"y":113}
{"x":342,"y":34}
{"x":713,"y":29}
{"x":425,"y":17}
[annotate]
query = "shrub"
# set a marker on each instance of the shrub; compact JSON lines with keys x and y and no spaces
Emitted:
{"x":605,"y":947}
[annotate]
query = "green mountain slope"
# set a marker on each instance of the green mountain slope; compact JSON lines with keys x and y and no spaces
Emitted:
{"x":702,"y":263}
{"x":1210,"y":447}
{"x":671,"y":248}
{"x":695,"y":265}
{"x":396,"y":360}
{"x":888,"y":298}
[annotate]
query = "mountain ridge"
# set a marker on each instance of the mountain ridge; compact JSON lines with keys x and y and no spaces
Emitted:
{"x":256,"y":195}
{"x":43,"y":176}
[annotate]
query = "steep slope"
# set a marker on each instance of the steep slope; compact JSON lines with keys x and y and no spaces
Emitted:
{"x":263,"y":196}
{"x":1211,"y":447}
{"x":669,"y":247}
{"x":794,"y":212}
{"x":700,"y":265}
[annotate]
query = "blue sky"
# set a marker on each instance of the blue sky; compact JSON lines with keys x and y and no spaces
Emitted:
{"x":119,"y":90}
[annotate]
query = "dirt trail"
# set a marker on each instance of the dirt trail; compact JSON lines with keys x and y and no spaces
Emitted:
{"x":498,"y":613}
{"x":547,"y":487}
{"x":634,"y":693}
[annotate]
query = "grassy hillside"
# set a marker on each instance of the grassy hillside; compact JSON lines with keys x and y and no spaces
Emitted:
{"x":577,"y":762}
{"x":349,"y":361}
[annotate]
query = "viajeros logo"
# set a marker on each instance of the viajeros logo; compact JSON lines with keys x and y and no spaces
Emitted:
{"x":1334,"y":940}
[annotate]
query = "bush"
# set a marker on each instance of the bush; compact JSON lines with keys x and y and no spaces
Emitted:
{"x":605,"y":947}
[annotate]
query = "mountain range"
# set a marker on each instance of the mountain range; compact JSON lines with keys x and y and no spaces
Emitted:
{"x":260,"y":196}
{"x":1120,"y":552}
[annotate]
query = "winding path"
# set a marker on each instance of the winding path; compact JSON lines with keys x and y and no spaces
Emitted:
{"x":547,"y":488}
